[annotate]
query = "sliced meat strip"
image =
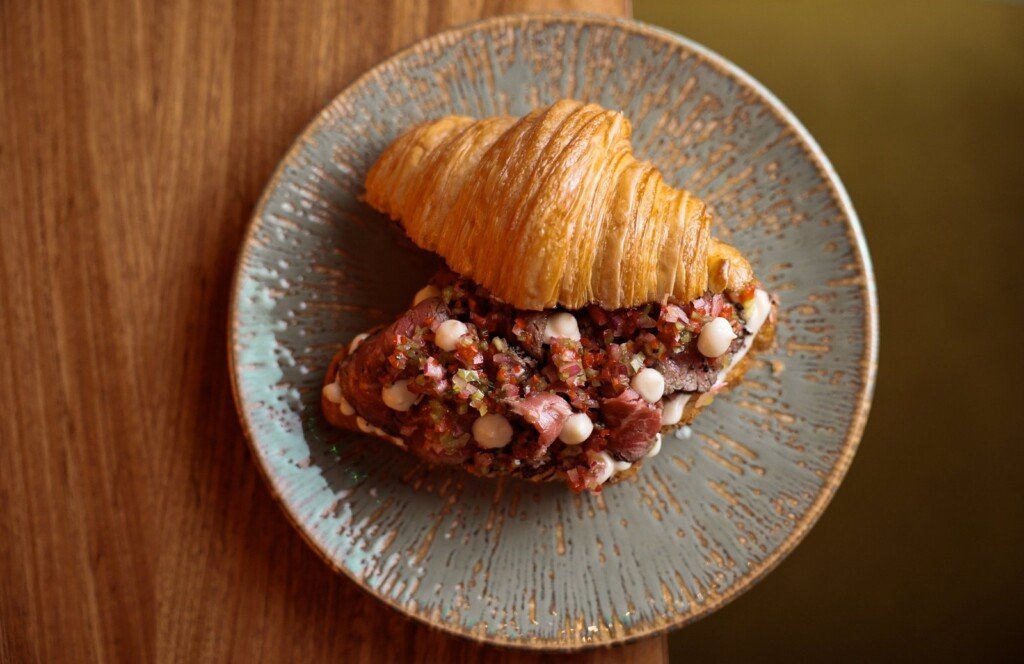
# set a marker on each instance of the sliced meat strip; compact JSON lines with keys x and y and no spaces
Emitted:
{"x":547,"y":413}
{"x":530,"y":334}
{"x":687,"y":372}
{"x":633,"y":424}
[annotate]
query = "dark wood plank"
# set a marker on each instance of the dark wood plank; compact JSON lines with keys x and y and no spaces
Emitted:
{"x":134,"y":140}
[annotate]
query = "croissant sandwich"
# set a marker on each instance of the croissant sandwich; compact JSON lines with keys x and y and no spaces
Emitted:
{"x":587,"y":309}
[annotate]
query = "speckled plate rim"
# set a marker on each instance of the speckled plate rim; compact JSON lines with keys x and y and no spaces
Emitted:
{"x":868,"y":362}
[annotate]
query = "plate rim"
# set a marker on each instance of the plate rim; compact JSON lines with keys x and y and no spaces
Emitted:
{"x":868,"y":361}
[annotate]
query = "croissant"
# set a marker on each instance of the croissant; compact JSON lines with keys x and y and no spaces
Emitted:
{"x":552,"y":209}
{"x":587,"y":311}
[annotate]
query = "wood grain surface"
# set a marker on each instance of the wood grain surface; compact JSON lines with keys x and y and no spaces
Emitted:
{"x":134,"y":140}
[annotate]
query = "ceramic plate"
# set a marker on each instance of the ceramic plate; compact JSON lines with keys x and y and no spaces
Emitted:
{"x":516,"y":563}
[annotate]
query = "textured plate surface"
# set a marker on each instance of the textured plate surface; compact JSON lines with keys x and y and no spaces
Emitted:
{"x":522,"y":564}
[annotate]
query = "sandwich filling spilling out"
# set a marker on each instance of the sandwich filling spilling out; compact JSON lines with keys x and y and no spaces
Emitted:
{"x":463,"y":378}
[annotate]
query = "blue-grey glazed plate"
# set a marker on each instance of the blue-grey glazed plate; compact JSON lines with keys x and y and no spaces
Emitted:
{"x":533,"y":565}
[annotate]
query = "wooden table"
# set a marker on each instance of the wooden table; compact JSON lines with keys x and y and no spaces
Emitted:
{"x":134,"y":140}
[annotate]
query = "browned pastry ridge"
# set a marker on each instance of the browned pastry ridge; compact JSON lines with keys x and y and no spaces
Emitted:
{"x":552,"y":209}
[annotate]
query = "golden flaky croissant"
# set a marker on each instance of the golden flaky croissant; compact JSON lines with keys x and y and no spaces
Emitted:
{"x":589,"y":312}
{"x":552,"y":209}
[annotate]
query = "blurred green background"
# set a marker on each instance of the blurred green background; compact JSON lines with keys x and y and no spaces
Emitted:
{"x":920,"y":106}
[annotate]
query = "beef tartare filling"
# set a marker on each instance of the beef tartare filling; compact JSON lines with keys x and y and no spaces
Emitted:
{"x":565,"y":391}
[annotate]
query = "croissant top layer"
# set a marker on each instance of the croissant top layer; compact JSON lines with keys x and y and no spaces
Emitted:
{"x":552,"y":209}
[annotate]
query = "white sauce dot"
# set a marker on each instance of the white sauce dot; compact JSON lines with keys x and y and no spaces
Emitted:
{"x":356,"y":340}
{"x":755,"y":311}
{"x":621,"y":466}
{"x":332,"y":392}
{"x":576,"y":429}
{"x":654,"y":450}
{"x":606,"y":466}
{"x":426,"y":293}
{"x":650,"y":384}
{"x":715,"y":338}
{"x":561,"y":325}
{"x":673,"y":409}
{"x":492,"y":431}
{"x":397,"y":396}
{"x":364,"y":426}
{"x":448,"y":334}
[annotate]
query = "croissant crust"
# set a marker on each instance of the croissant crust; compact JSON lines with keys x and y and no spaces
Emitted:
{"x":552,"y":209}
